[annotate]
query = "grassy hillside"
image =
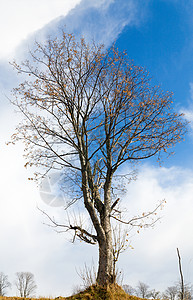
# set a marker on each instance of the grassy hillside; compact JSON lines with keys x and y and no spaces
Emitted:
{"x":95,"y":292}
{"x":114,"y":292}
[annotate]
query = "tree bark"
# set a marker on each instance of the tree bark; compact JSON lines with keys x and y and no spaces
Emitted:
{"x":105,"y":274}
{"x":102,"y":227}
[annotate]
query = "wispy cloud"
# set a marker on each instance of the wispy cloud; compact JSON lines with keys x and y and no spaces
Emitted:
{"x":188,"y":112}
{"x":103,"y":21}
{"x":191,"y":91}
{"x":98,"y":20}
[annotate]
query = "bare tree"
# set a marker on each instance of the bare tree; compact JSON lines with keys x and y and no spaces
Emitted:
{"x":170,"y":293}
{"x":129,"y":289}
{"x":87,"y":112}
{"x":187,"y":290}
{"x":153,"y":294}
{"x":4,"y":284}
{"x":88,"y":275}
{"x":120,"y":244}
{"x":182,"y":290}
{"x":143,"y":290}
{"x":25,"y":284}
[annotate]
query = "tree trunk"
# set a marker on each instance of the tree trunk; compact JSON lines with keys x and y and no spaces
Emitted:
{"x":105,"y":267}
{"x":181,"y":276}
{"x":105,"y":274}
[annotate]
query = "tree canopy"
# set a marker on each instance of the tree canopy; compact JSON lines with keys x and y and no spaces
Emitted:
{"x":87,"y":111}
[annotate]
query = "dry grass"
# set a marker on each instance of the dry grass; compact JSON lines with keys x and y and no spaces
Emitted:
{"x":20,"y":298}
{"x":95,"y":292}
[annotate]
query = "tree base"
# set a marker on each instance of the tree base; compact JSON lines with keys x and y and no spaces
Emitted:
{"x":113,"y":291}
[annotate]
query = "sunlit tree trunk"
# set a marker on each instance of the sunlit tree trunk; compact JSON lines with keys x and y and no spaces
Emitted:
{"x":105,"y":267}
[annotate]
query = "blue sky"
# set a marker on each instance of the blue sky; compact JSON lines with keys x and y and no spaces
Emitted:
{"x":157,"y":35}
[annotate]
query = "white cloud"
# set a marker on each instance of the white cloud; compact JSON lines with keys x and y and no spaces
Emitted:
{"x":188,"y":113}
{"x":154,"y":258}
{"x":191,"y":91}
{"x":99,"y":20}
{"x":28,"y":245}
{"x":20,"y":18}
